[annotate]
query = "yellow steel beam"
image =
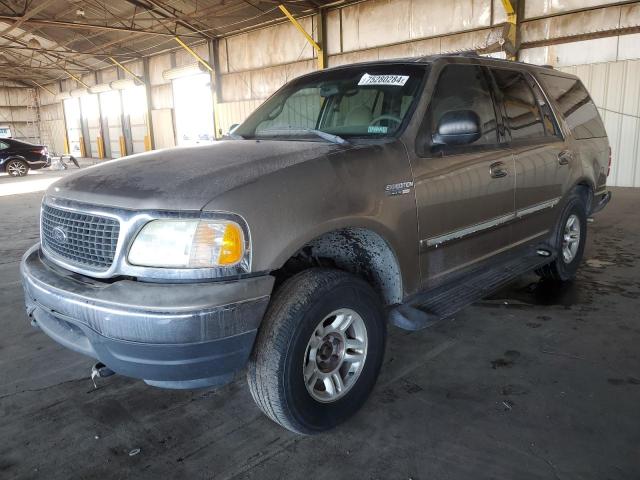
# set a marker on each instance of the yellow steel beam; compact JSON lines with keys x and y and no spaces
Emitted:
{"x":76,"y":78}
{"x":118,"y":64}
{"x":304,"y":33}
{"x":194,"y":54}
{"x":43,"y":87}
{"x":508,"y":8}
{"x":512,"y":19}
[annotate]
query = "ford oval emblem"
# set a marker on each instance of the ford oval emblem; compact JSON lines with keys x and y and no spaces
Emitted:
{"x":59,"y":235}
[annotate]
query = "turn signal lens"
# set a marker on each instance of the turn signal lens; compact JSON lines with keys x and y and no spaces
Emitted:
{"x":232,"y":247}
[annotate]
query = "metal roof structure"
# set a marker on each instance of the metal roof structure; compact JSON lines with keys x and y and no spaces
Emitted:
{"x":46,"y":40}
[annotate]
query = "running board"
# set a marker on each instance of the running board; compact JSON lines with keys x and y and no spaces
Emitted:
{"x":446,"y":300}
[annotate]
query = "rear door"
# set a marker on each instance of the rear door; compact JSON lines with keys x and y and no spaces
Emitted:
{"x":464,"y":193}
{"x":543,"y":158}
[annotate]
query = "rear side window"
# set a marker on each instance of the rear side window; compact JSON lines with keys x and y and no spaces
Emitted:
{"x":575,"y":105}
{"x":3,"y":146}
{"x":524,"y":119}
{"x":464,"y":87}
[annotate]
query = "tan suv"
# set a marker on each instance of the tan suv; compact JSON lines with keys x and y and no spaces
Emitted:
{"x":399,"y":190}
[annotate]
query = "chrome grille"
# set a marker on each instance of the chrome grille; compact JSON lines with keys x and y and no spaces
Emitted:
{"x":81,"y":238}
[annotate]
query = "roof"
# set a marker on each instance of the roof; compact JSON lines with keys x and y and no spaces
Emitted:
{"x":428,"y":59}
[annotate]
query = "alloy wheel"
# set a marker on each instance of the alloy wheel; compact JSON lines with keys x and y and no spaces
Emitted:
{"x":571,"y":238}
{"x":16,"y":169}
{"x":335,"y":355}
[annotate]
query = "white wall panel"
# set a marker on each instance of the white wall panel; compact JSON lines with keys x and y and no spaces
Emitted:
{"x":629,"y":47}
{"x":615,"y":89}
{"x":163,"y":131}
{"x":235,"y":112}
{"x":383,"y":22}
{"x":157,"y":65}
{"x":108,"y":75}
{"x":538,"y":8}
{"x":255,"y":49}
{"x":574,"y":53}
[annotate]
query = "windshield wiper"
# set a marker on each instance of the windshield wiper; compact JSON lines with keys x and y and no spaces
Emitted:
{"x":324,"y":135}
{"x":327,"y":136}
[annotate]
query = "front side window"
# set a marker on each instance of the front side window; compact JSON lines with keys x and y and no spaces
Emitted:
{"x":461,"y":104}
{"x":524,"y":119}
{"x":364,"y":102}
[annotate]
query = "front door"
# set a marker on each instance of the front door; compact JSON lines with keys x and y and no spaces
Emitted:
{"x":464,"y":191}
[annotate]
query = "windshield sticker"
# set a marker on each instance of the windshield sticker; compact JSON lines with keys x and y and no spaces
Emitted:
{"x":377,"y":129}
{"x":395,"y":80}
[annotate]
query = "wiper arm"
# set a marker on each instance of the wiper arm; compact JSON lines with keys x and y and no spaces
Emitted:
{"x":232,"y":136}
{"x":324,"y":135}
{"x":327,"y":136}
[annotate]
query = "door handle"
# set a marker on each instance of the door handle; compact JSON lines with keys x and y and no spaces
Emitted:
{"x":498,"y":170}
{"x":565,"y":157}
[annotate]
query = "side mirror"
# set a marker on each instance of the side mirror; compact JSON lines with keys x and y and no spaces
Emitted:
{"x":233,"y":127}
{"x":459,"y":127}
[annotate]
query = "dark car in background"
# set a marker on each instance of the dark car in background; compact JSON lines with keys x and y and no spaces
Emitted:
{"x":18,"y":157}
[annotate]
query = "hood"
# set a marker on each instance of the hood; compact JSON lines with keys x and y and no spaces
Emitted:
{"x":185,"y":178}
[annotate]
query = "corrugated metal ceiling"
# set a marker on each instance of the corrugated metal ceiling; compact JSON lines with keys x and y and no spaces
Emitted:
{"x":46,"y":39}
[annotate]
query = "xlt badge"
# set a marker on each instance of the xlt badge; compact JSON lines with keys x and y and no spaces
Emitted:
{"x":398,"y":188}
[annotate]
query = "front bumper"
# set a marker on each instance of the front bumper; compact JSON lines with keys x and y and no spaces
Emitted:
{"x":186,"y":335}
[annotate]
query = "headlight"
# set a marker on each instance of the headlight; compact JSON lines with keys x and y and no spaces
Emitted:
{"x":188,"y":244}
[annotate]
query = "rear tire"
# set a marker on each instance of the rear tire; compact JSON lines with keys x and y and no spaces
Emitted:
{"x":569,"y":241}
{"x":318,"y":351}
{"x":17,"y":168}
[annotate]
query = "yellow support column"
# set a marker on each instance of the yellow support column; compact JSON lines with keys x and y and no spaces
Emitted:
{"x":100,"y":148}
{"x":304,"y":33}
{"x":83,"y":151}
{"x":512,"y":20}
{"x":123,"y":147}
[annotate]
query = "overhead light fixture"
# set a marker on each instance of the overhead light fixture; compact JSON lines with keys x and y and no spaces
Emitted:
{"x":123,"y":84}
{"x":34,"y":43}
{"x":99,"y":88}
{"x":186,"y":71}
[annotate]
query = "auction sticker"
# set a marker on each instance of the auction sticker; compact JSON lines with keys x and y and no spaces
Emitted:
{"x":395,"y":80}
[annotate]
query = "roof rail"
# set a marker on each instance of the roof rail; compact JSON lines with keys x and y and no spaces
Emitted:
{"x":550,"y":67}
{"x":466,"y":53}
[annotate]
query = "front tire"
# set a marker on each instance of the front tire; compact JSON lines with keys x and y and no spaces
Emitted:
{"x":319,"y":350}
{"x":570,"y":240}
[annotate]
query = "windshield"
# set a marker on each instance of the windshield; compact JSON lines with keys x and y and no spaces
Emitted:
{"x":364,"y":101}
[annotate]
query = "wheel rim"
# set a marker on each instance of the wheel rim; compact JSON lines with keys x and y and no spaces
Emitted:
{"x":16,"y":169}
{"x":335,"y":355}
{"x":571,"y":238}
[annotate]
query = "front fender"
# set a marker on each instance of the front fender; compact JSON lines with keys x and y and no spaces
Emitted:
{"x":289,"y":208}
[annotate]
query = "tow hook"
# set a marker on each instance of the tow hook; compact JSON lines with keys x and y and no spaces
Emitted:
{"x":100,"y":370}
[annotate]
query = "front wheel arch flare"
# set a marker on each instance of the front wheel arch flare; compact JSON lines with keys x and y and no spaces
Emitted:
{"x":359,"y":251}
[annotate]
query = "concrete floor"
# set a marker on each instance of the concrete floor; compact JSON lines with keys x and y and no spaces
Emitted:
{"x":534,"y":383}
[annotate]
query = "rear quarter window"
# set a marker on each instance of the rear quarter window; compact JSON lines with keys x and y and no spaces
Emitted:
{"x":575,"y":105}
